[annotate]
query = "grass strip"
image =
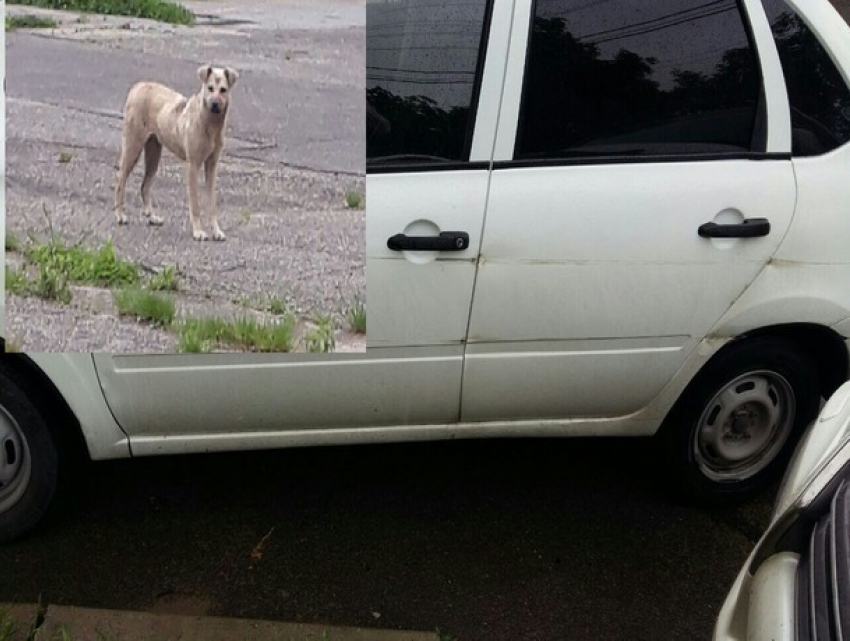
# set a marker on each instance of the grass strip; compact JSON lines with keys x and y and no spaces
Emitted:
{"x":29,"y":22}
{"x":99,"y":267}
{"x":206,"y":334}
{"x":153,"y":9}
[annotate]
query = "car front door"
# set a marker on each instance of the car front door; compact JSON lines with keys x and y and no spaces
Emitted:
{"x":432,"y":105}
{"x":642,"y":134}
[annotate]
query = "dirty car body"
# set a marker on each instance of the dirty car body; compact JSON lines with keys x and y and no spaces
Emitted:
{"x":580,"y":222}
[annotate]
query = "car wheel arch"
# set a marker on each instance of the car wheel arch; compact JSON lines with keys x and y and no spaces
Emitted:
{"x":52,"y":406}
{"x":827,"y":347}
{"x":818,"y":359}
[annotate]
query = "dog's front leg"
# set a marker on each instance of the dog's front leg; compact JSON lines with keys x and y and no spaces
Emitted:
{"x":194,"y":208}
{"x":210,"y":170}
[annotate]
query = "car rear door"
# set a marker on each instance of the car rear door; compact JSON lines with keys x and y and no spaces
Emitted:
{"x":629,"y":134}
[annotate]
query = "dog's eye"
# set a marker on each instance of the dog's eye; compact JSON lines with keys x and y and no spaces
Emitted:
{"x":211,"y":88}
{"x":223,"y":90}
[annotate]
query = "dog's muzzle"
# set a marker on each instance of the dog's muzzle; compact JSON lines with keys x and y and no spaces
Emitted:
{"x":215,"y":107}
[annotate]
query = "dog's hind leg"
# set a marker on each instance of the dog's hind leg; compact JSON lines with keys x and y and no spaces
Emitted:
{"x":131,"y":149}
{"x":210,"y":170}
{"x":153,"y":152}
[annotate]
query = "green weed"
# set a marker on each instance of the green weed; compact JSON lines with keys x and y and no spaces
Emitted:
{"x":16,"y":282}
{"x":276,"y":306}
{"x":51,"y":282}
{"x":357,"y":318}
{"x":99,"y":267}
{"x":153,"y":9}
{"x":29,"y":22}
{"x":321,"y":338}
{"x":145,"y":305}
{"x":205,"y":334}
{"x":10,"y":242}
{"x":353,"y":200}
{"x":166,"y":280}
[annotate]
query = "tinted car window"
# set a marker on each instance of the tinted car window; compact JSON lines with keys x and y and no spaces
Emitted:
{"x":422,"y":62}
{"x":820,"y":100}
{"x":630,"y":77}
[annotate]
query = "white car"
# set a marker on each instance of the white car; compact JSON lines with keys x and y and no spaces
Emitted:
{"x":796,"y":583}
{"x":584,"y":218}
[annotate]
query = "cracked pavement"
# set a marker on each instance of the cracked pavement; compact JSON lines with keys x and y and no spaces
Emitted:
{"x":294,"y":148}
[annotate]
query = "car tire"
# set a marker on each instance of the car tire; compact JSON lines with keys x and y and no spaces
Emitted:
{"x":734,"y":428}
{"x":29,"y":462}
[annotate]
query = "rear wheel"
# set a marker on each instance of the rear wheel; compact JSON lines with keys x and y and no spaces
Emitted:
{"x":28,"y":462}
{"x":732,"y":431}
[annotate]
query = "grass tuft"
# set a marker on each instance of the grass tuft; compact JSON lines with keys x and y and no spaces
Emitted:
{"x":51,"y":283}
{"x":206,"y":334}
{"x":166,"y":280}
{"x":321,"y":338}
{"x":357,"y":318}
{"x":16,"y":282}
{"x":276,"y":306}
{"x":94,"y":267}
{"x":353,"y":200}
{"x":65,"y":157}
{"x":11,"y":243}
{"x":149,"y":306}
{"x":161,"y":10}
{"x":29,"y":22}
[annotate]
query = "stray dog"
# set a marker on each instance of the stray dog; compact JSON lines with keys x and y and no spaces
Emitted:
{"x":191,"y":128}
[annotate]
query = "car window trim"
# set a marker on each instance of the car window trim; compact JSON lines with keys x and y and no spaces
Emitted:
{"x":523,"y":96}
{"x":632,"y":160}
{"x":479,"y":78}
{"x":419,"y":167}
{"x":761,"y":118}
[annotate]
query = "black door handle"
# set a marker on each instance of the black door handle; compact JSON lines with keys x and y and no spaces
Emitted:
{"x":447,"y":241}
{"x":749,"y":228}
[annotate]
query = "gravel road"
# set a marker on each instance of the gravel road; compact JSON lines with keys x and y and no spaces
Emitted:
{"x":294,"y":149}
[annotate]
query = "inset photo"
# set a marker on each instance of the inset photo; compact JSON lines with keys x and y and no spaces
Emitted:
{"x":185,"y":177}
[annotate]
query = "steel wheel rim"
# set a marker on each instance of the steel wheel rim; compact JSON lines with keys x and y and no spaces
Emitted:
{"x":15,"y":462}
{"x":744,"y":426}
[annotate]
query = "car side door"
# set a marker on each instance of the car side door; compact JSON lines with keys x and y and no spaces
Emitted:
{"x":642,"y":179}
{"x":432,"y":105}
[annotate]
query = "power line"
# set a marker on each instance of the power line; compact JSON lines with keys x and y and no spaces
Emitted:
{"x":437,"y":71}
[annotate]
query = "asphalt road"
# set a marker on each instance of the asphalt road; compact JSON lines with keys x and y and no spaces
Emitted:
{"x":569,"y":539}
{"x":294,"y":149}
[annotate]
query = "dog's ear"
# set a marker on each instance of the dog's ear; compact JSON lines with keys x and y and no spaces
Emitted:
{"x":231,"y":76}
{"x":204,"y":72}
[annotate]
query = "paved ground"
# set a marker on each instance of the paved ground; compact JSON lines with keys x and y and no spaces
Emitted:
{"x":295,"y":148}
{"x":538,"y":540}
{"x":64,"y":622}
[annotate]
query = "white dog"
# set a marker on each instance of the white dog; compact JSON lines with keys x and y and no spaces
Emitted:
{"x":191,"y":128}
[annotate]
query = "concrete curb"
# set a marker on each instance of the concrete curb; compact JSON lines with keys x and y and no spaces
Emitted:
{"x":82,"y":624}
